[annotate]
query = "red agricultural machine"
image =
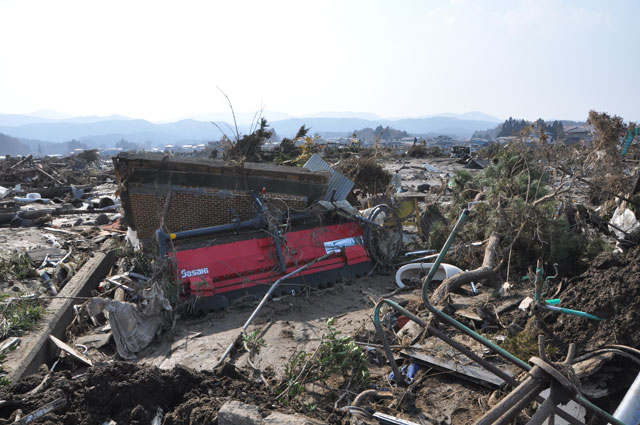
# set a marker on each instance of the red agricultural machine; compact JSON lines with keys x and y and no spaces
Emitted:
{"x":234,"y":229}
{"x":222,"y":263}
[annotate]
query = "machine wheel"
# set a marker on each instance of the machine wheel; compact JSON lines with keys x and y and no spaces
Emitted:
{"x":384,"y":243}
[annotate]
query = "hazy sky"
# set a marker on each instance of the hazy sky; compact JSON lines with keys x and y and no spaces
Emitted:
{"x":161,"y":60}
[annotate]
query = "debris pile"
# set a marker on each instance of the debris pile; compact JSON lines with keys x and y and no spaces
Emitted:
{"x":34,"y":191}
{"x":610,"y":289}
{"x":251,"y":291}
{"x":130,"y":394}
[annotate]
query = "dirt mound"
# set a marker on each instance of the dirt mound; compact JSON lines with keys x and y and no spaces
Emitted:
{"x":128,"y":393}
{"x":610,"y":289}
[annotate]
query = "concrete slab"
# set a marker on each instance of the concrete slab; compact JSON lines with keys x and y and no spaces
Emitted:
{"x":36,"y":347}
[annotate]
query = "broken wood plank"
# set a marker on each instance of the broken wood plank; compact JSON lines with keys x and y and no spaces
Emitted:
{"x":472,"y":373}
{"x":461,"y":301}
{"x":509,"y":304}
{"x":66,"y":348}
{"x":388,"y":419}
{"x":22,"y":161}
{"x":95,"y":340}
{"x":45,"y":380}
{"x":118,"y":295}
{"x":58,"y":182}
{"x":47,"y":408}
{"x":469,"y":313}
{"x":9,"y":344}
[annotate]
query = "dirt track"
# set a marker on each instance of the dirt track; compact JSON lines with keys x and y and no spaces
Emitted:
{"x":287,"y":325}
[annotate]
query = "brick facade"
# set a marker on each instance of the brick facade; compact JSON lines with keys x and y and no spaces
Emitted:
{"x":193,"y":209}
{"x":205,"y":192}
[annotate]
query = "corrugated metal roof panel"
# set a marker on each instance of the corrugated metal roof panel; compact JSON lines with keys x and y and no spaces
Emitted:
{"x":338,"y":183}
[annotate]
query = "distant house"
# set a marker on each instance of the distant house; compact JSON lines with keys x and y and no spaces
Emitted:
{"x":577,"y":134}
{"x":506,"y":139}
{"x":534,"y":138}
{"x":479,"y":141}
{"x":110,"y":151}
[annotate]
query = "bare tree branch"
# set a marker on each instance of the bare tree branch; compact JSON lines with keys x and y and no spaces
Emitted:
{"x":256,"y":119}
{"x":220,"y":129}
{"x":235,"y":122}
{"x":560,"y":189}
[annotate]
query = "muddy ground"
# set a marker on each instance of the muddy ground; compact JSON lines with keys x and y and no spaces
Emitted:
{"x":177,"y":374}
{"x":609,"y":289}
{"x":131,"y":394}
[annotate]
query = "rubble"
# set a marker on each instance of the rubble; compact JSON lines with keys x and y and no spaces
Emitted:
{"x":133,"y":327}
{"x":314,"y":328}
{"x":237,"y":413}
{"x":609,"y":290}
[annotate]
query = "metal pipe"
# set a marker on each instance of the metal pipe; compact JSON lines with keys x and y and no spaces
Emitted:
{"x":447,"y":244}
{"x":530,"y":386}
{"x":162,"y":237}
{"x":520,"y":406}
{"x":629,"y":409}
{"x":497,"y":349}
{"x":544,"y":410}
{"x":255,"y":222}
{"x":266,"y":297}
{"x":383,"y":338}
{"x":453,"y":343}
{"x":445,"y":318}
{"x":436,"y":332}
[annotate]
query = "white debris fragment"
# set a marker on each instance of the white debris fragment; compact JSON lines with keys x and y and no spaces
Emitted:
{"x":504,"y":289}
{"x":525,"y":304}
{"x":132,"y":238}
{"x":52,"y":240}
{"x":625,"y":220}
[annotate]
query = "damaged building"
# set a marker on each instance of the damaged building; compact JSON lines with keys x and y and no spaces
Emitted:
{"x":205,"y":192}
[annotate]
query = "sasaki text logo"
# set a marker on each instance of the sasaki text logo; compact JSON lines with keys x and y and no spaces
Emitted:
{"x":195,"y":272}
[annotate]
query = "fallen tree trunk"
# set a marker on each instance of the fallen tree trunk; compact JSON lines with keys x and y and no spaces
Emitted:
{"x":483,"y":272}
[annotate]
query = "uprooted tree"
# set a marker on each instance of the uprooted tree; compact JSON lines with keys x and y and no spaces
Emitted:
{"x":249,"y":146}
{"x":520,"y":209}
{"x":367,"y":174}
{"x":288,"y":150}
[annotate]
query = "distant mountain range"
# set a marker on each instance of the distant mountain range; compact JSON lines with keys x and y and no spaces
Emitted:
{"x":474,"y":115}
{"x":43,"y":128}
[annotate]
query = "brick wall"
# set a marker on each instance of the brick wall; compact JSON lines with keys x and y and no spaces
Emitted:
{"x":193,"y":208}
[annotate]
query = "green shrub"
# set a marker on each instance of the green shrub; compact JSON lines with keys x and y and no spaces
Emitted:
{"x":336,"y":354}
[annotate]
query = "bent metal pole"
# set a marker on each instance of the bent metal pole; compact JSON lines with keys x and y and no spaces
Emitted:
{"x":266,"y":297}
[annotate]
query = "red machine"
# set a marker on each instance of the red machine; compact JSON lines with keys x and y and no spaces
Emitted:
{"x":241,"y":261}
